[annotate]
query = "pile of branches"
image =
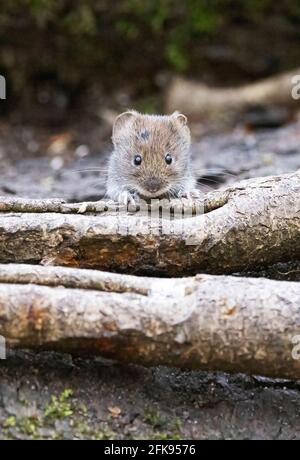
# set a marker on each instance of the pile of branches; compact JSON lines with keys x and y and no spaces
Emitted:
{"x":208,"y":320}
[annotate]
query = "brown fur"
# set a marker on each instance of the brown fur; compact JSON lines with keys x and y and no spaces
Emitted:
{"x":152,"y":137}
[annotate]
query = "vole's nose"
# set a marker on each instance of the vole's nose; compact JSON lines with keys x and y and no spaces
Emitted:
{"x":153,"y":184}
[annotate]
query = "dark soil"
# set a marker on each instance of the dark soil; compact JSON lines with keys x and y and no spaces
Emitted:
{"x":50,"y":395}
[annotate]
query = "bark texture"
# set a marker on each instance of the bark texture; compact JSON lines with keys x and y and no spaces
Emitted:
{"x":243,"y":228}
{"x":203,"y":322}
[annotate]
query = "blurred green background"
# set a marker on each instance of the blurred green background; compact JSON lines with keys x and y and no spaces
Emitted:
{"x":61,"y":53}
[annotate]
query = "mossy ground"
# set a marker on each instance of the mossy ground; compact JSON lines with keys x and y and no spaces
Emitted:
{"x":101,"y":409}
{"x":52,"y":396}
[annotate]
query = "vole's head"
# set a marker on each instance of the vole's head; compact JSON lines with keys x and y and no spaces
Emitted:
{"x":151,"y":152}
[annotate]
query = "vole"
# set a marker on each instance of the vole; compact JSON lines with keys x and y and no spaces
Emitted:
{"x":151,"y":158}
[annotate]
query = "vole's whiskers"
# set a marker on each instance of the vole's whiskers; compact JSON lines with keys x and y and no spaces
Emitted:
{"x":94,"y":184}
{"x":212,"y":172}
{"x":205,"y":187}
{"x":172,"y":192}
{"x":208,"y":179}
{"x":88,"y":170}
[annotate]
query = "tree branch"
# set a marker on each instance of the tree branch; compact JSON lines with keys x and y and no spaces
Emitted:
{"x":247,"y":226}
{"x":200,"y":101}
{"x":205,"y":322}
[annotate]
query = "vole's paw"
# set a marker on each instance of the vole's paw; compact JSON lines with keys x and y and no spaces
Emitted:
{"x":126,"y":198}
{"x":192,"y":194}
{"x":188,"y":198}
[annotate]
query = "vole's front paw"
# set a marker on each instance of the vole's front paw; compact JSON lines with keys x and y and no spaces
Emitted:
{"x":126,"y":198}
{"x":190,"y":197}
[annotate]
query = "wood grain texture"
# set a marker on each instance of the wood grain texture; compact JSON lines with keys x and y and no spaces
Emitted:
{"x":247,"y":226}
{"x":202,"y":322}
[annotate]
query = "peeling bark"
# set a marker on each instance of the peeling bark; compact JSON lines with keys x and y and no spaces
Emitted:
{"x":205,"y":322}
{"x":245,"y":227}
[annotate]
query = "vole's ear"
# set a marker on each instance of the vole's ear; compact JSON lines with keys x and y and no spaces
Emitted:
{"x":122,"y":120}
{"x":182,"y":119}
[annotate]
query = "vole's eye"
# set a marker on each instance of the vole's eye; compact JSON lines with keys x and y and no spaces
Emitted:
{"x":137,"y":160}
{"x":168,"y":159}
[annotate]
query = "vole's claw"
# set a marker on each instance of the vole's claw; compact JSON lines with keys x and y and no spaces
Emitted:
{"x":126,"y":198}
{"x":123,"y":198}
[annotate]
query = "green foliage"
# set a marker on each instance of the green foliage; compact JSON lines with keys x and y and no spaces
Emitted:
{"x":29,"y":426}
{"x":10,"y":422}
{"x":60,"y":407}
{"x":77,"y":42}
{"x":154,"y":418}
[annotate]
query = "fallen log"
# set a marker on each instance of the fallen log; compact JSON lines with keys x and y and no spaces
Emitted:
{"x":203,"y":322}
{"x":244,"y":227}
{"x":199,"y":101}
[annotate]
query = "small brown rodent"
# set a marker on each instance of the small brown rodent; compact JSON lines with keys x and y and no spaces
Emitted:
{"x":151,"y":158}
